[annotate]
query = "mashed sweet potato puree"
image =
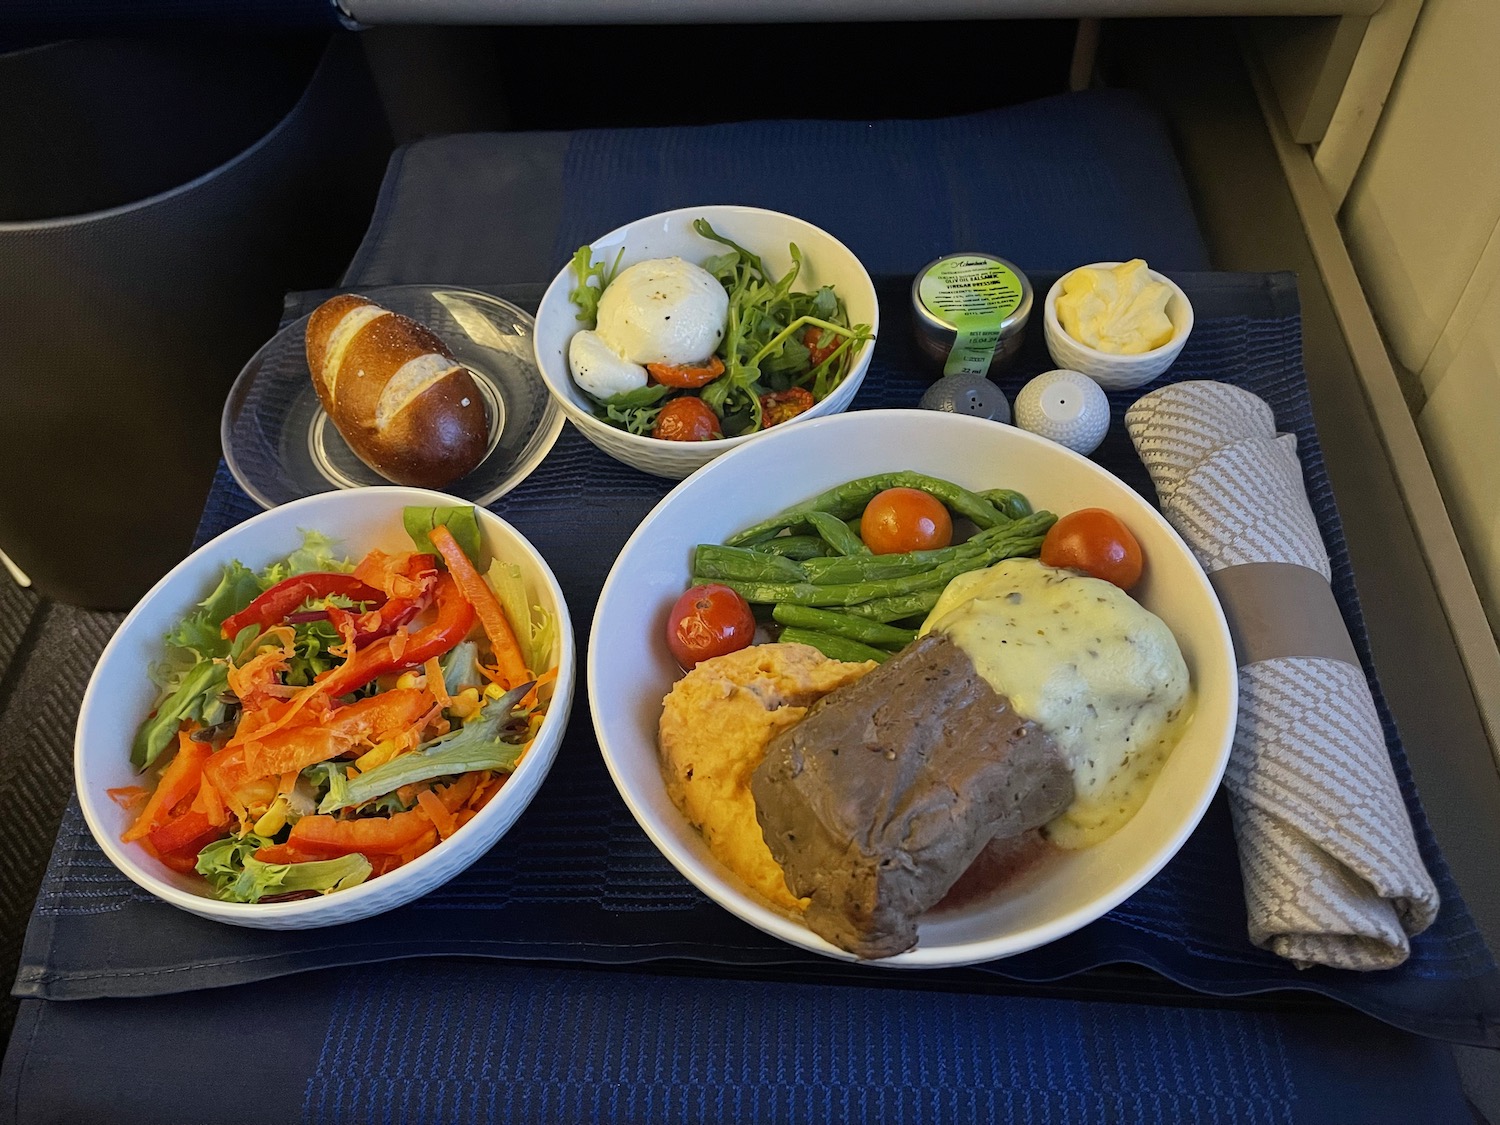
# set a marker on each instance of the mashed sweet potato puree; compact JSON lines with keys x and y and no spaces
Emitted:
{"x":715,"y":724}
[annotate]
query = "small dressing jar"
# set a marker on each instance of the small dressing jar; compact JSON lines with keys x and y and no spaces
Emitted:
{"x":970,"y":312}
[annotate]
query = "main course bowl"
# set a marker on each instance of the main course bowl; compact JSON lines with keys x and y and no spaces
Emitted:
{"x":825,"y":261}
{"x":630,"y":669}
{"x":120,"y":695}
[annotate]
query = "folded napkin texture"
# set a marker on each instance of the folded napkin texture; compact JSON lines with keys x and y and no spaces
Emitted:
{"x":1331,"y":868}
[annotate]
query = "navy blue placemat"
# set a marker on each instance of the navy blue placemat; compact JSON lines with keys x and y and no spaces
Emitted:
{"x":438,"y":1042}
{"x":577,"y":881}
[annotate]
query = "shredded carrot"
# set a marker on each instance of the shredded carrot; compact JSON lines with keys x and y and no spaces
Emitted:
{"x":484,"y":796}
{"x":256,"y":678}
{"x":533,"y":697}
{"x":273,"y":717}
{"x":486,"y":605}
{"x":435,"y":682}
{"x":210,"y":802}
{"x":437,"y":812}
{"x":129,"y":797}
{"x":421,"y":847}
{"x":454,"y":796}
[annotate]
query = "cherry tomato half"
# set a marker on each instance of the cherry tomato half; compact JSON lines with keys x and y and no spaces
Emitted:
{"x":819,"y":349}
{"x":686,"y":419}
{"x":687,"y":375}
{"x":709,"y":621}
{"x":905,"y":519}
{"x":1096,"y":542}
{"x":781,"y":406}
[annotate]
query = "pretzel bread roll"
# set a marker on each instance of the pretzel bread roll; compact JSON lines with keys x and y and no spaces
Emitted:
{"x":404,"y":404}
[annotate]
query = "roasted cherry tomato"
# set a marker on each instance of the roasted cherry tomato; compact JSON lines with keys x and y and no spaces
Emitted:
{"x":817,"y":348}
{"x":687,"y":375}
{"x":686,"y":419}
{"x":1094,"y":541}
{"x":709,"y":621}
{"x":905,"y":519}
{"x":779,"y":406}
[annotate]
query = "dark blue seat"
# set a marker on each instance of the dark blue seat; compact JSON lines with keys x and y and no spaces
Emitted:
{"x":1050,"y":184}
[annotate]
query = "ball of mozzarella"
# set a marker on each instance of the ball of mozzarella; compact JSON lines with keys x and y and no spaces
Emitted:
{"x":598,"y":368}
{"x":663,"y":310}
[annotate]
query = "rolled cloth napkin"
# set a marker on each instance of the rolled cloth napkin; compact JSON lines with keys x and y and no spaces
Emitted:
{"x":1331,"y":868}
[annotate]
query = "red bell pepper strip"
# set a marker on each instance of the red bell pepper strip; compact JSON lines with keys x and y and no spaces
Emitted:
{"x":328,"y":837}
{"x":284,"y":853}
{"x":178,"y":781}
{"x":455,"y":617}
{"x":186,"y":833}
{"x":491,"y":613}
{"x":272,"y":607}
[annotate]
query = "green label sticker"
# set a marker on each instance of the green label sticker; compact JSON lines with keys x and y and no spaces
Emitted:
{"x":975,"y":294}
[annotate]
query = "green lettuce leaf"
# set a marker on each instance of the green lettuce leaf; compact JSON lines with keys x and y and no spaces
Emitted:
{"x":461,"y":665}
{"x":316,"y":555}
{"x":460,"y":520}
{"x":479,"y":745}
{"x":237,"y":876}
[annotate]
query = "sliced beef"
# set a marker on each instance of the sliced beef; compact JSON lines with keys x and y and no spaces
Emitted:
{"x":883,"y":795}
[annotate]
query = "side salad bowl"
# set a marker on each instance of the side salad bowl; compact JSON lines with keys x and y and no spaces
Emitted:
{"x":826,"y":261}
{"x":631,"y":669}
{"x":121,"y":694}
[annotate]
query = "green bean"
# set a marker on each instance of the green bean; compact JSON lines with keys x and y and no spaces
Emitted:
{"x":838,"y":569}
{"x":848,"y":594}
{"x":837,"y":534}
{"x":714,"y":563}
{"x":1009,"y":502}
{"x":844,"y":500}
{"x":835,"y":648}
{"x":842,"y":625}
{"x":835,"y":569}
{"x":896,"y":608}
{"x":849,"y":498}
{"x":797,"y":547}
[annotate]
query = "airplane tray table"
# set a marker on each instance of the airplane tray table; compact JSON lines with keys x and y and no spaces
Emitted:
{"x":577,"y":882}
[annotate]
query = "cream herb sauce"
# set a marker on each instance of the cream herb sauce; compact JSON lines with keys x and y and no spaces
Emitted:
{"x":1096,"y":670}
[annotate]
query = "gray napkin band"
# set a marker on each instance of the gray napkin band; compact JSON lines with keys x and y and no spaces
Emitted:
{"x":1278,"y":610}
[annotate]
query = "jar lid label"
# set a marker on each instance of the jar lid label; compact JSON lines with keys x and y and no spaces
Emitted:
{"x":976,"y":295}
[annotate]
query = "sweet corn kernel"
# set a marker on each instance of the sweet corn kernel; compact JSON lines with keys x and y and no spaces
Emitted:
{"x":493,"y":691}
{"x":382,"y":753}
{"x":274,"y":819}
{"x":466,"y":703}
{"x":410,"y":680}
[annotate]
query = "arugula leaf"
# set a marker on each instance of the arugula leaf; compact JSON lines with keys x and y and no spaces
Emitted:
{"x":459,"y":519}
{"x":584,"y":295}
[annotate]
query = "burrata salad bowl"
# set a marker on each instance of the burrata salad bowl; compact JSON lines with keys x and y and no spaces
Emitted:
{"x":826,"y":261}
{"x":630,"y":669}
{"x":120,"y":695}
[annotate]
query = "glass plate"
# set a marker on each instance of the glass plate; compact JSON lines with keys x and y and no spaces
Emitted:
{"x":281,"y":445}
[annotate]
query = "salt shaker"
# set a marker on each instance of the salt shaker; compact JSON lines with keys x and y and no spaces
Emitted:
{"x":1065,"y":406}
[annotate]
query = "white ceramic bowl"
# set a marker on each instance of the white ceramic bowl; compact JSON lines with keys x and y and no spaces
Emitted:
{"x":1116,"y":372}
{"x":630,"y":669}
{"x":120,"y":695}
{"x":825,"y":261}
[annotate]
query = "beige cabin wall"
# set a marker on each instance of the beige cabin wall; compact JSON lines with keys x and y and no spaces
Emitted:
{"x":1422,"y":222}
